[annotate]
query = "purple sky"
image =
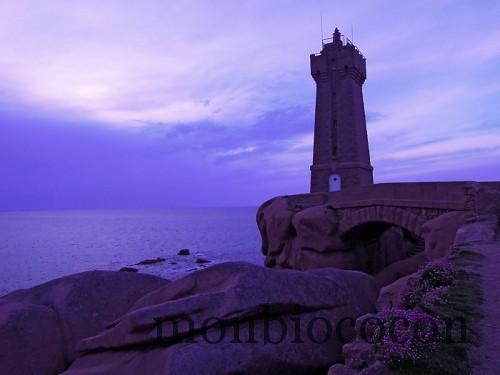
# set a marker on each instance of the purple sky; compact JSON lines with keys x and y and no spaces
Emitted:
{"x":117,"y":104}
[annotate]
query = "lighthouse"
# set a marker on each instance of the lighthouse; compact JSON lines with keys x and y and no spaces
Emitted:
{"x":341,"y":157}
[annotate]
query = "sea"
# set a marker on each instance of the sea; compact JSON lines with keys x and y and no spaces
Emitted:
{"x":38,"y":246}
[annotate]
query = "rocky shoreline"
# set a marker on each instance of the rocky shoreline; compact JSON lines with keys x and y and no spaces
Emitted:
{"x":240,"y":318}
{"x":67,"y":322}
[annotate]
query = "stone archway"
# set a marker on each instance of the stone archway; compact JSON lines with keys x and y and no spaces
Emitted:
{"x":351,"y":218}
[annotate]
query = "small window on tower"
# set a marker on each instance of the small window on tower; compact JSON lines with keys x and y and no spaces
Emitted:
{"x":346,"y":68}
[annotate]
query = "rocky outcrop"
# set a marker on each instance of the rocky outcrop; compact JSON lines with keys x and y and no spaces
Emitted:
{"x":439,"y":233}
{"x":40,"y":327}
{"x":341,"y":369}
{"x":317,"y":240}
{"x":391,"y":296}
{"x":274,"y":220}
{"x":31,"y":339}
{"x":146,"y":262}
{"x":377,"y":368}
{"x":400,"y":269}
{"x":262,"y":320}
{"x":415,"y":294}
{"x":307,"y":238}
{"x":372,"y":227}
{"x":392,"y":247}
{"x":361,"y":358}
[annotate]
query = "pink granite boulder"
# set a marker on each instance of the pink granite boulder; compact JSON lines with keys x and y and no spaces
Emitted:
{"x":40,"y":326}
{"x":439,"y":233}
{"x":392,"y":247}
{"x":303,"y":232}
{"x":304,"y":238}
{"x":400,"y":269}
{"x":274,"y":219}
{"x":232,"y":318}
{"x":392,"y":295}
{"x":341,"y":369}
{"x":31,"y":339}
{"x":317,"y":229}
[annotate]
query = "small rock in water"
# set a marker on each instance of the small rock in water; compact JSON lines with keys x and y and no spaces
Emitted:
{"x":202,"y":260}
{"x":183,"y":252}
{"x":150,"y":261}
{"x":173,"y":263}
{"x":128,"y":269}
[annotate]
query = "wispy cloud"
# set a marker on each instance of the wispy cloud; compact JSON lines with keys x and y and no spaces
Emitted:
{"x":223,"y":89}
{"x":466,"y":143}
{"x":133,"y":66}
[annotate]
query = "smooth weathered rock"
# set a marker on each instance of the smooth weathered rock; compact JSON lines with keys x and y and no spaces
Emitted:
{"x":316,"y":229}
{"x":31,"y":339}
{"x":340,"y":369}
{"x":40,"y":327}
{"x":307,"y":238}
{"x":359,"y":354}
{"x":224,"y":299}
{"x":202,"y":261}
{"x":150,"y":261}
{"x":392,"y":247}
{"x":274,"y":219}
{"x":307,"y":231}
{"x":400,"y":269}
{"x":391,"y":296}
{"x":378,"y":368}
{"x":439,"y":233}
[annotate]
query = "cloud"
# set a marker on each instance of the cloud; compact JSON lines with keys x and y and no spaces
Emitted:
{"x":119,"y":102}
{"x":238,"y":151}
{"x":131,"y":67}
{"x":449,"y":146}
{"x":374,"y":116}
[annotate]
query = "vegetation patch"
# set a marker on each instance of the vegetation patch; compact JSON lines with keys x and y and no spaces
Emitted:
{"x":434,"y":331}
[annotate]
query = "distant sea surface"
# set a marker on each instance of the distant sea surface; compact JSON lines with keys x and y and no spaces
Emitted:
{"x":38,"y":246}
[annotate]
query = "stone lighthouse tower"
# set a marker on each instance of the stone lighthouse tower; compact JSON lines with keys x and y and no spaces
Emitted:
{"x":341,"y":157}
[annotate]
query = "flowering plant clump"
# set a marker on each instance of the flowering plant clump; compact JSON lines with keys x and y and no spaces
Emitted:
{"x":438,"y":273}
{"x":434,"y":297}
{"x":432,"y":333}
{"x":434,"y":275}
{"x":408,"y":337}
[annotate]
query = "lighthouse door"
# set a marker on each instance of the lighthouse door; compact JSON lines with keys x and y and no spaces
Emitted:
{"x":334,"y":182}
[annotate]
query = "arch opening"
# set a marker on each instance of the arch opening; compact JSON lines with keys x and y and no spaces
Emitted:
{"x":378,"y":244}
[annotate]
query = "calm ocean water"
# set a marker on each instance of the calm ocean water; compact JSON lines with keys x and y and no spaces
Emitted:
{"x":38,"y":246}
